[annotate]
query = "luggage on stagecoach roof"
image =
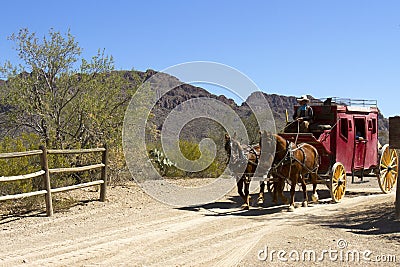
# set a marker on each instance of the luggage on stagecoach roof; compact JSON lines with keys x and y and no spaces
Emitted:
{"x":362,"y":105}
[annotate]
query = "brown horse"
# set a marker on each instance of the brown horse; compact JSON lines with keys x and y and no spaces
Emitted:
{"x":243,"y":161}
{"x":292,"y":163}
{"x":267,"y":154}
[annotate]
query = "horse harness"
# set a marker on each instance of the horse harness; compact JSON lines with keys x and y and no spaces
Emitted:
{"x":243,"y":153}
{"x":289,"y":158}
{"x":250,"y":150}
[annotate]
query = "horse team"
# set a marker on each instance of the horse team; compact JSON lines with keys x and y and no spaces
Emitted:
{"x":275,"y":157}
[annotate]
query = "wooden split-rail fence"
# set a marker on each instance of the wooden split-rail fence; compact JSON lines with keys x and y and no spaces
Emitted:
{"x":45,"y":173}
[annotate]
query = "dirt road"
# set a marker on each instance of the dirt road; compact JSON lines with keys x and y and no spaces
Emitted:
{"x":132,"y":229}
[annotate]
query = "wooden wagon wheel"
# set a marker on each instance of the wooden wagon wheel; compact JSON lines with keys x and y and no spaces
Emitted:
{"x":337,"y":184}
{"x":388,"y":169}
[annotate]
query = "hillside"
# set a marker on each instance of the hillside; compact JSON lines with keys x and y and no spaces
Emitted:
{"x":201,"y":128}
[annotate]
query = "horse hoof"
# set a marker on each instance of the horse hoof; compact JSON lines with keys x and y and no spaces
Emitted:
{"x":260,"y":202}
{"x":304,"y":204}
{"x":315,"y":197}
{"x":291,"y":208}
{"x":245,"y":207}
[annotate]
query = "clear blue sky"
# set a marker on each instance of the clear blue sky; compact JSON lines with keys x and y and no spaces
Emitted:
{"x":323,"y":48}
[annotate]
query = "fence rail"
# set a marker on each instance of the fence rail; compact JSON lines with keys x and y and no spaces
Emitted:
{"x":21,"y":177}
{"x":23,"y":195}
{"x":77,"y":169}
{"x":75,"y":151}
{"x":20,"y":154}
{"x":45,"y":173}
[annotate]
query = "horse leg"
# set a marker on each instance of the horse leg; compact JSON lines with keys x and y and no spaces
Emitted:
{"x":314,"y":195}
{"x":305,"y":196}
{"x":272,"y":190}
{"x":279,"y":187}
{"x":292,"y":192}
{"x":247,"y":197}
{"x":260,"y":200}
{"x":240,"y":183}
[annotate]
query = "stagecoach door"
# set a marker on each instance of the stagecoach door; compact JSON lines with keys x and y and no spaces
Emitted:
{"x":360,"y":144}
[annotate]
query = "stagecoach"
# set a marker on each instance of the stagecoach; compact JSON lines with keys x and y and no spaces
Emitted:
{"x":345,"y":134}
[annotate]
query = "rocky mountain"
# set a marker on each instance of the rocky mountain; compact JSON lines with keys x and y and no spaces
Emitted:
{"x":201,"y":128}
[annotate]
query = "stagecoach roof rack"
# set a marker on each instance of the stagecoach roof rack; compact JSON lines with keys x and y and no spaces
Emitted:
{"x":345,"y":102}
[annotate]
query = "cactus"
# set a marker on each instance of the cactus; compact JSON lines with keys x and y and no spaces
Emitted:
{"x":162,"y":162}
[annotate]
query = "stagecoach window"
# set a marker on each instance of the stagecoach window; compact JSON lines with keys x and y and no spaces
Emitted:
{"x":359,"y":124}
{"x":373,"y":125}
{"x":344,"y":127}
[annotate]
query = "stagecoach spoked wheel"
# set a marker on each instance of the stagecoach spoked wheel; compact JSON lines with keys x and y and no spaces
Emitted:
{"x":388,"y":169}
{"x":338,"y":182}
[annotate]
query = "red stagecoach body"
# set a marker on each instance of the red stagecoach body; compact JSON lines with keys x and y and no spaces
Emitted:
{"x":345,"y":131}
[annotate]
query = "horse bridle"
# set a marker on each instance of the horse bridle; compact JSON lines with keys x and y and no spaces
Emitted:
{"x":287,"y":158}
{"x":242,"y":158}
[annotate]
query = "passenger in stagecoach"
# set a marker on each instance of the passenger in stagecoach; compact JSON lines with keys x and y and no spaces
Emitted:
{"x":303,"y":115}
{"x":359,"y":136}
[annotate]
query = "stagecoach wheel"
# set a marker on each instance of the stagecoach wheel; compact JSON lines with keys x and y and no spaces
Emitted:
{"x":338,"y":182}
{"x":388,"y":169}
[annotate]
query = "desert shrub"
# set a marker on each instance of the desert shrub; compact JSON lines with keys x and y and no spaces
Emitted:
{"x":160,"y":160}
{"x":118,"y":172}
{"x":20,"y":165}
{"x":190,"y":150}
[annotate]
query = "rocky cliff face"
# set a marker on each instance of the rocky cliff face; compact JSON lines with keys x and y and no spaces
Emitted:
{"x":201,"y":128}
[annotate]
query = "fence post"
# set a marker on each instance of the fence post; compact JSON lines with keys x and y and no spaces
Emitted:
{"x":398,"y":199}
{"x":103,"y":186}
{"x":394,"y":142}
{"x":46,"y":180}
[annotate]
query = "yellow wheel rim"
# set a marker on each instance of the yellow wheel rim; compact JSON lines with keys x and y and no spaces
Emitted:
{"x":338,"y":182}
{"x":388,"y":169}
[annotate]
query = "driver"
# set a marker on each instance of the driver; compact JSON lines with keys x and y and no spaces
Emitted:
{"x":303,"y":114}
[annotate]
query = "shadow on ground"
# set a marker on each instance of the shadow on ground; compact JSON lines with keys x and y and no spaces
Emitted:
{"x":376,"y":220}
{"x":40,"y":212}
{"x":232,"y":205}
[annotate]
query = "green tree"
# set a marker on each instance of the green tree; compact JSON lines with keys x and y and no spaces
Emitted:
{"x":67,"y":100}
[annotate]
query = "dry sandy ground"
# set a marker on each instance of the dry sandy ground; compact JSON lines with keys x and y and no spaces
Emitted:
{"x":132,"y":229}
